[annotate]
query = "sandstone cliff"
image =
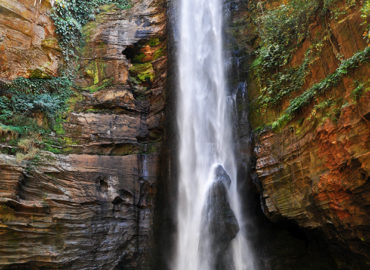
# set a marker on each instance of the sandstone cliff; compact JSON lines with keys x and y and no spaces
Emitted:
{"x":309,"y":107}
{"x":80,"y":195}
{"x":28,"y":43}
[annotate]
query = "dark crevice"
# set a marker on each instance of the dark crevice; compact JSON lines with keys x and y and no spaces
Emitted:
{"x":102,"y":184}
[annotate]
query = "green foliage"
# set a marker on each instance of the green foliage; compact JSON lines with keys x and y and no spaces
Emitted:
{"x":281,"y":30}
{"x":53,"y":144}
{"x":365,"y":15}
{"x":71,"y":15}
{"x":143,"y":72}
{"x":327,"y":108}
{"x":153,"y":42}
{"x":329,"y":3}
{"x":260,"y":129}
{"x":323,"y":105}
{"x":358,"y":91}
{"x":97,"y":87}
{"x":338,"y":11}
{"x":23,"y":98}
{"x":333,"y":79}
{"x":283,"y":83}
{"x":34,"y":107}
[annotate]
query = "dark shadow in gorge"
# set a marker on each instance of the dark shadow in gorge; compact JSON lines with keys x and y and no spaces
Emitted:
{"x":280,"y":245}
{"x":165,"y":203}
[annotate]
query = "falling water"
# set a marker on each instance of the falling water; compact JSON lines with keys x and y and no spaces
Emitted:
{"x":206,"y":142}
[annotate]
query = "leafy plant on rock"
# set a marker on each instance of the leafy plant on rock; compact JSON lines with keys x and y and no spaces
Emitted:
{"x":298,"y":103}
{"x":71,"y":15}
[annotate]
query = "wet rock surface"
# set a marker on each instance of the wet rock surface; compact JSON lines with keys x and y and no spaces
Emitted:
{"x":220,"y":225}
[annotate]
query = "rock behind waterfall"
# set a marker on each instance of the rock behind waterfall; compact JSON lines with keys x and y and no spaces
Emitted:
{"x":220,"y":225}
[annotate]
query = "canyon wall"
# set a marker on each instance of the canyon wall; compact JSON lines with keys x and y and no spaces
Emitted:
{"x":86,"y":202}
{"x":308,"y":88}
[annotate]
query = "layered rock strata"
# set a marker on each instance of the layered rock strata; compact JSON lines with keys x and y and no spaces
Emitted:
{"x":92,"y":207}
{"x":314,"y":170}
{"x":28,"y":42}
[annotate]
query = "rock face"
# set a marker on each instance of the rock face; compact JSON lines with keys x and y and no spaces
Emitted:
{"x":76,"y":211}
{"x":320,"y":178}
{"x":314,"y":170}
{"x":91,"y":207}
{"x":28,"y":43}
{"x":220,"y":224}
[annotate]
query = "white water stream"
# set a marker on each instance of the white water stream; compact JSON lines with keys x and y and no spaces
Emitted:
{"x":205,"y":132}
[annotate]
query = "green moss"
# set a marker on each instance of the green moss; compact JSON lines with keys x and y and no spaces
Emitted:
{"x":73,"y":100}
{"x":53,"y":149}
{"x":360,"y":89}
{"x":154,"y":42}
{"x":93,"y":110}
{"x":100,"y":86}
{"x":139,"y":58}
{"x":260,"y":129}
{"x":88,"y":30}
{"x":68,"y":141}
{"x":159,"y":53}
{"x":58,"y":145}
{"x":143,"y":72}
{"x":58,"y":126}
{"x":50,"y":43}
{"x":39,"y":74}
{"x":96,"y":70}
{"x":109,"y":7}
{"x":7,"y":214}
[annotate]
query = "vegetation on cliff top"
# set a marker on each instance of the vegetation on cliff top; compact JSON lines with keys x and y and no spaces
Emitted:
{"x":366,"y":15}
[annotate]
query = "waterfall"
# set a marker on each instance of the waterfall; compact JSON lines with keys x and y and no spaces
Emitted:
{"x":210,"y":232}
